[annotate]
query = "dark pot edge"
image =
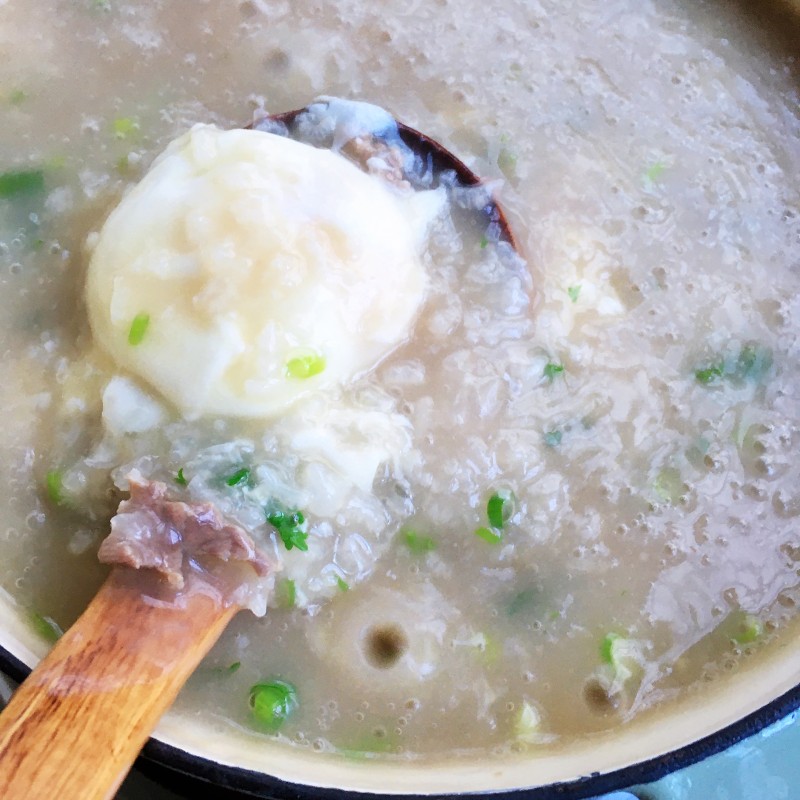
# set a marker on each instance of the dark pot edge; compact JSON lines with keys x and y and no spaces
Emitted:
{"x":182,"y":765}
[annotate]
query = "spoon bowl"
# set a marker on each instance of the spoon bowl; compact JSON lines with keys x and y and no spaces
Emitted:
{"x":422,"y":162}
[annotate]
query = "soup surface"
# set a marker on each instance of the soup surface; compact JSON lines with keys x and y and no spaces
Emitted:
{"x":570,"y":496}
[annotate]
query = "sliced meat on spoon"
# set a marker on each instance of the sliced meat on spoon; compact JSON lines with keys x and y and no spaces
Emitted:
{"x":150,"y":530}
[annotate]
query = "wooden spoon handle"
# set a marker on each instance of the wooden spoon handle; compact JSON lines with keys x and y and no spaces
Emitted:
{"x":75,"y":726}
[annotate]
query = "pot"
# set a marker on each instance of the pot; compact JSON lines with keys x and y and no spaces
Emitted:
{"x":189,"y":755}
{"x":761,"y":692}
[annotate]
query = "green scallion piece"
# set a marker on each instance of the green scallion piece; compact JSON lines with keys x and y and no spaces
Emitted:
{"x":17,"y":97}
{"x":418,"y":543}
{"x":507,"y":163}
{"x":229,"y":670}
{"x":241,"y":476}
{"x":753,"y":363}
{"x":124,"y":127}
{"x":367,"y":746}
{"x":711,"y":374}
{"x":343,"y":585}
{"x":290,"y":525}
{"x":551,"y":369}
{"x":500,"y":508}
{"x":748,"y":630}
{"x":606,"y":647}
{"x":138,"y":329}
{"x":273,"y":703}
{"x":484,"y":242}
{"x":54,"y":484}
{"x":287,"y":593}
{"x":669,"y":485}
{"x":528,"y":725}
{"x":303,"y":367}
{"x":21,"y":182}
{"x":553,"y":438}
{"x":46,"y":627}
{"x":655,"y":171}
{"x":489,"y":535}
{"x":574,"y":292}
{"x":180,"y":478}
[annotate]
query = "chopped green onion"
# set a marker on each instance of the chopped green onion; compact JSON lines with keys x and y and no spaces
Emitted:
{"x":46,"y":627}
{"x":287,"y":593}
{"x":553,"y":438}
{"x":54,"y":484}
{"x":489,"y":535}
{"x":753,"y":363}
{"x":748,"y":630}
{"x":528,"y":725}
{"x":507,"y":163}
{"x":229,"y":670}
{"x":294,"y":538}
{"x":710,"y":374}
{"x":623,"y":655}
{"x":669,"y":485}
{"x":21,"y":182}
{"x":551,"y":369}
{"x":367,"y":746}
{"x":302,"y":367}
{"x":289,"y":524}
{"x":17,"y":97}
{"x":124,"y":126}
{"x":606,"y":647}
{"x":56,"y":162}
{"x":343,"y":585}
{"x":490,"y":651}
{"x":654,"y":172}
{"x":574,"y":292}
{"x":272,"y":703}
{"x":180,"y":478}
{"x":500,"y":508}
{"x":138,"y":329}
{"x":484,"y":242}
{"x":239,"y":477}
{"x":418,"y":543}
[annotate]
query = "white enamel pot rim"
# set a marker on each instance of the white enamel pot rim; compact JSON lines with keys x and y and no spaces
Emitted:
{"x":763,"y":691}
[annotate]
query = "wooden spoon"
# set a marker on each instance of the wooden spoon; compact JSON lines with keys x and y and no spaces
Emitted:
{"x":77,"y":723}
{"x":74,"y":727}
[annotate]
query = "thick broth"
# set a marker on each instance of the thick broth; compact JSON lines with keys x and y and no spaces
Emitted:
{"x":636,"y":390}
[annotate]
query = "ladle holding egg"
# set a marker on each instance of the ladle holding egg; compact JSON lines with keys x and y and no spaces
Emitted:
{"x":244,"y":273}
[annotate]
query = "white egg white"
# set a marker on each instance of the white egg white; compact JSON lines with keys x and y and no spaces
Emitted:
{"x":241,"y":251}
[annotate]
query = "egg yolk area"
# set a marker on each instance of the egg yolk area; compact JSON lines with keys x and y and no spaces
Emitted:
{"x":247,"y":270}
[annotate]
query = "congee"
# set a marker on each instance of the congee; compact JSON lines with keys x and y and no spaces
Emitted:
{"x":511,"y":499}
